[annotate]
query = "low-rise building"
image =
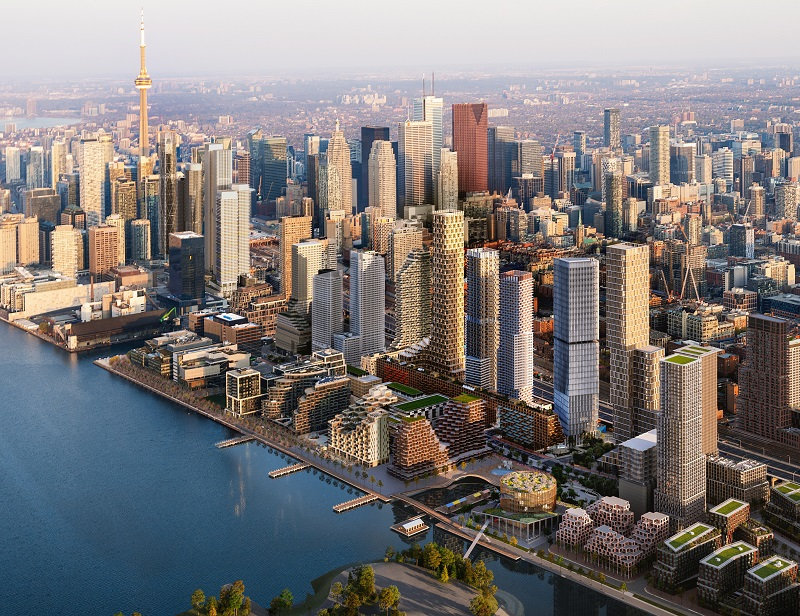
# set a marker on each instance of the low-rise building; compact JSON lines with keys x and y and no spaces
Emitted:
{"x":770,"y":588}
{"x":651,"y":530}
{"x":744,"y":480}
{"x":785,"y":500}
{"x":727,"y":516}
{"x":613,"y":550}
{"x":575,"y":528}
{"x":612,"y":512}
{"x":321,"y":403}
{"x":415,"y":449}
{"x":760,"y":537}
{"x":534,"y":426}
{"x":360,"y":435}
{"x":461,"y":426}
{"x":723,"y":571}
{"x":243,"y":392}
{"x":678,"y":558}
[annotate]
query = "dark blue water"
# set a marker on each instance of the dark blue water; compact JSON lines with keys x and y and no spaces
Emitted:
{"x":115,"y":500}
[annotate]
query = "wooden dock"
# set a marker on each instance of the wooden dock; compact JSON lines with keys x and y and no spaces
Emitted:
{"x":356,"y":502}
{"x":287,"y":470}
{"x":238,"y":440}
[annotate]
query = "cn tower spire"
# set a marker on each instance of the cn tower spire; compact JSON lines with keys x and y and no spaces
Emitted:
{"x":143,"y":84}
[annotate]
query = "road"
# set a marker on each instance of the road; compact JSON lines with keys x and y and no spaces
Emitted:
{"x":775,"y":467}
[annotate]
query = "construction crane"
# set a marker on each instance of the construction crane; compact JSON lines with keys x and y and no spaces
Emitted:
{"x":689,"y":272}
{"x":165,"y":316}
{"x":555,"y":146}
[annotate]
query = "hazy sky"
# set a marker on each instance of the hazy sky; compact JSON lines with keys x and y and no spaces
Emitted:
{"x":92,"y":38}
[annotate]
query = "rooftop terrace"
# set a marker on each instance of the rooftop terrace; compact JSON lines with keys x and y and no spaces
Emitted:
{"x":681,"y":539}
{"x":722,"y":556}
{"x":771,"y":566}
{"x":728,"y":507}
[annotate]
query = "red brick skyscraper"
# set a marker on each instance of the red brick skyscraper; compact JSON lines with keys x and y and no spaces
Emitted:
{"x":470,"y":140}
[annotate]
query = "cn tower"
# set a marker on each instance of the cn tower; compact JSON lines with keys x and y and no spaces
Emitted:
{"x":143,"y":84}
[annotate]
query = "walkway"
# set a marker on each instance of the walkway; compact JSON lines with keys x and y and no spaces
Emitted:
{"x":477,"y":537}
{"x":238,"y":440}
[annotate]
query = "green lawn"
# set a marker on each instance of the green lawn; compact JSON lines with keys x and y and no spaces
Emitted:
{"x":356,"y":371}
{"x":770,"y":567}
{"x":727,"y":508}
{"x":465,"y":398}
{"x":405,"y":389}
{"x":688,"y":535}
{"x":680,"y":359}
{"x":720,"y":558}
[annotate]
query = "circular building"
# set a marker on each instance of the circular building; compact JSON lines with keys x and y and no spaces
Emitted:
{"x":528,"y":492}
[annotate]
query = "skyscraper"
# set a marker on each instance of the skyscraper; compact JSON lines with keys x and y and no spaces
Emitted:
{"x":579,"y":145}
{"x":141,"y":249}
{"x":143,"y":84}
{"x":92,"y":184}
{"x":415,"y":163}
{"x":447,"y":181}
{"x":340,"y":172}
{"x":681,"y":472}
{"x":187,"y":265}
{"x":500,"y":154}
{"x":681,"y":163}
{"x":117,"y":221}
{"x":428,"y":108}
{"x":103,"y":249}
{"x":576,"y":346}
{"x":58,"y":161}
{"x":768,"y":380}
{"x":742,"y":240}
{"x":412,"y":308}
{"x":369,"y":135}
{"x":483,"y":301}
{"x":327,"y":317}
{"x":293,"y":230}
{"x":470,"y":142}
{"x":611,"y":132}
{"x":659,"y":155}
{"x":382,"y":177}
{"x":367,"y":300}
{"x":707,"y":356}
{"x":218,"y":176}
{"x":515,"y":349}
{"x":64,"y":241}
{"x":193,"y":198}
{"x":613,"y":198}
{"x":402,"y":240}
{"x":627,"y":327}
{"x":274,"y":171}
{"x":13,"y":165}
{"x":232,"y":235}
{"x":170,"y":218}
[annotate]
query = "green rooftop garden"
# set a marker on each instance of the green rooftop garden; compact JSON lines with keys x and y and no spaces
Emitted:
{"x":784,"y":489}
{"x":728,"y":507}
{"x":681,"y":539}
{"x":770,"y":567}
{"x":717,"y":559}
{"x":405,"y":389}
{"x":465,"y":398}
{"x":680,"y":359}
{"x":795,"y":496}
{"x":412,"y":419}
{"x":421,"y":403}
{"x":525,"y":518}
{"x":356,"y":371}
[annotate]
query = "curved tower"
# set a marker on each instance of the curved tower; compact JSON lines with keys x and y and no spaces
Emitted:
{"x":143,"y":84}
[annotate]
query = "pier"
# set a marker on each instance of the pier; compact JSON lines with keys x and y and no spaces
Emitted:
{"x":288,"y":470}
{"x":238,"y":440}
{"x":356,"y":502}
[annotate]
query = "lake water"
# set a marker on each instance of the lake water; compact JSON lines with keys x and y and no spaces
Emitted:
{"x":37,"y":122}
{"x":116,"y":500}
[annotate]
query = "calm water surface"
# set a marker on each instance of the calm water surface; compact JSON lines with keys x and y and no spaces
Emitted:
{"x":113,"y":499}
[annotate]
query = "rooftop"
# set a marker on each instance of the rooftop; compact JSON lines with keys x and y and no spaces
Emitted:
{"x":528,"y":481}
{"x":725,"y":554}
{"x":643,"y":442}
{"x":680,"y":359}
{"x":465,"y":398}
{"x":421,"y":403}
{"x":770,"y":567}
{"x":405,"y":389}
{"x":681,"y":539}
{"x":728,"y":507}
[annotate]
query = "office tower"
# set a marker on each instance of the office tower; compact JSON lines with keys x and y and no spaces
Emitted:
{"x":242,"y":167}
{"x":58,"y":161}
{"x":310,"y":147}
{"x":8,"y":243}
{"x":747,"y":166}
{"x":309,"y":257}
{"x":783,"y":138}
{"x":367,"y":300}
{"x":415,"y":164}
{"x":515,"y":349}
{"x":447,"y":317}
{"x":103,"y":249}
{"x":576,"y":346}
{"x":742,"y":240}
{"x":428,"y":108}
{"x":378,"y":228}
{"x":369,"y":135}
{"x":381,"y":171}
{"x":327,"y":316}
{"x":232,"y":251}
{"x":470,"y":142}
{"x":218,"y":176}
{"x":500,"y":153}
{"x":187,"y":265}
{"x":143,"y":84}
{"x":613,"y":198}
{"x":659,"y":155}
{"x":5,"y":200}
{"x":681,"y":473}
{"x":722,"y":166}
{"x":768,"y":380}
{"x":73,"y":216}
{"x":28,"y":242}
{"x":447,"y":181}
{"x":565,"y":170}
{"x":527,"y":158}
{"x":707,"y":356}
{"x":116,"y":221}
{"x":579,"y":145}
{"x":256,"y":151}
{"x":274,"y":171}
{"x":703,"y":169}
{"x":627,"y":327}
{"x":293,"y":230}
{"x":64,"y":242}
{"x":170,"y":219}
{"x":681,"y":163}
{"x":37,"y":168}
{"x":630,"y":215}
{"x":92,"y":185}
{"x":43,"y":203}
{"x":13,"y":165}
{"x":483,"y":301}
{"x":412,"y":309}
{"x":125,"y":202}
{"x":141,"y":249}
{"x":611,"y":130}
{"x":193,"y":198}
{"x":402,"y":241}
{"x":757,"y":198}
{"x":148,"y":208}
{"x":340,"y":173}
{"x":113,"y":171}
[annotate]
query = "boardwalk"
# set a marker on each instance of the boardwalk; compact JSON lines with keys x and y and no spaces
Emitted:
{"x":234,"y":441}
{"x":288,"y":469}
{"x":356,"y":502}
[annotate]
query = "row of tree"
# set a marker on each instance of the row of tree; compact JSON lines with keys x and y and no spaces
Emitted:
{"x":360,"y":591}
{"x":231,"y":602}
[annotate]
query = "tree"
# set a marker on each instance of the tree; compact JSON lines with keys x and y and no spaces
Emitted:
{"x":211,"y":606}
{"x":198,"y":599}
{"x":483,"y":604}
{"x":336,"y":592}
{"x":444,"y":577}
{"x":389,"y":597}
{"x":247,"y":607}
{"x":513,"y":541}
{"x":601,"y":577}
{"x":623,"y":587}
{"x":483,"y":577}
{"x":380,"y":486}
{"x":431,"y":557}
{"x":366,"y":582}
{"x":281,"y":604}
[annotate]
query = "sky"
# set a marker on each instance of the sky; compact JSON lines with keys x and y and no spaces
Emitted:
{"x":99,"y":38}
